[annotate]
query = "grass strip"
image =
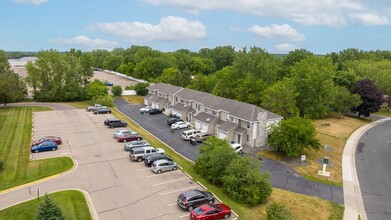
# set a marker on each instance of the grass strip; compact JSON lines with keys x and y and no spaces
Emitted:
{"x":71,"y":202}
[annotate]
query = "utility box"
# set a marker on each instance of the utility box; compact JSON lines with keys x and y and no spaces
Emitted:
{"x":326,"y":160}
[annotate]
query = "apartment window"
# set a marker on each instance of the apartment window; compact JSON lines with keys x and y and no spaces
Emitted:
{"x":214,"y":113}
{"x":232,"y":119}
{"x":198,"y":107}
{"x":249,"y":125}
{"x":206,"y":110}
{"x":176,"y":98}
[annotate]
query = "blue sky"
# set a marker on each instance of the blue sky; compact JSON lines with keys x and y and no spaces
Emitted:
{"x":320,"y":26}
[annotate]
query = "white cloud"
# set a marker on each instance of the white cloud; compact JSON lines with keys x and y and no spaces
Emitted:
{"x":169,"y":29}
{"x":370,"y":19}
{"x":285,"y":47}
{"x":284,"y":31}
{"x":35,"y":2}
{"x":86,"y":42}
{"x":332,"y":13}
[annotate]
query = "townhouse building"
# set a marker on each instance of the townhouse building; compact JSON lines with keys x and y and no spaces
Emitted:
{"x":225,"y":118}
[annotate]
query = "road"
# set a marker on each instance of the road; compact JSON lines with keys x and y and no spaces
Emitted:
{"x":282,"y":176}
{"x":373,"y":163}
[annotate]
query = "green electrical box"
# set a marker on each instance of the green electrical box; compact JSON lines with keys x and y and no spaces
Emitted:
{"x":326,"y":160}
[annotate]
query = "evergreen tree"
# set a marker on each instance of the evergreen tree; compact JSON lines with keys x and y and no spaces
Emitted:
{"x":48,"y":210}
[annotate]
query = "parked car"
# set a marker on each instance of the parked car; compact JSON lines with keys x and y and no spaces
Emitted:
{"x":237,"y":147}
{"x":140,"y":153}
{"x":103,"y":110}
{"x":114,"y":122}
{"x":186,"y":135}
{"x":94,"y":107}
{"x":160,"y":166}
{"x":146,"y":108}
{"x":211,"y":212}
{"x":134,"y":144}
{"x":194,"y":198}
{"x":123,"y":131}
{"x":154,"y":157}
{"x":128,"y":137}
{"x":107,"y":83}
{"x":180,"y":124}
{"x":155,"y":111}
{"x":171,"y":121}
{"x":48,"y":138}
{"x":201,"y":138}
{"x":44,"y":146}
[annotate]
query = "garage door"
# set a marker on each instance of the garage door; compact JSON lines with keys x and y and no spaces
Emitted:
{"x":153,"y":105}
{"x":197,"y":125}
{"x":175,"y":112}
{"x":145,"y":102}
{"x":204,"y":127}
{"x":222,"y":135}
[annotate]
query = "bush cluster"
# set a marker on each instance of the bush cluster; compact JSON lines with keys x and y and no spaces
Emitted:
{"x":116,"y":90}
{"x":277,"y":211}
{"x":106,"y":100}
{"x":238,"y":176}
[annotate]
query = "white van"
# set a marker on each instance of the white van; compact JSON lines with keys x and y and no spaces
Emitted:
{"x":186,"y":135}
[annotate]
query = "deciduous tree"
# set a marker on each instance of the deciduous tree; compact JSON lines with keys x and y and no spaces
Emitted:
{"x":290,"y":136}
{"x":344,"y":101}
{"x":116,"y":90}
{"x":371,"y":97}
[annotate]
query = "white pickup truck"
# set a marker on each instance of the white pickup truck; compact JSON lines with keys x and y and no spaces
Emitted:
{"x":94,"y":108}
{"x":140,"y":153}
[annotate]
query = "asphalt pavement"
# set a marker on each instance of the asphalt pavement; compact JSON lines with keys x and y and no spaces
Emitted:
{"x":282,"y":176}
{"x":373,"y":165}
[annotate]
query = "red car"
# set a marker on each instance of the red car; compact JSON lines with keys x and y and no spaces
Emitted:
{"x":129,"y":137}
{"x":48,"y":138}
{"x":211,"y":212}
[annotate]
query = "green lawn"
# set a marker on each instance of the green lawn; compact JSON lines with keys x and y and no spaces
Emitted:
{"x":15,"y":142}
{"x":71,"y":202}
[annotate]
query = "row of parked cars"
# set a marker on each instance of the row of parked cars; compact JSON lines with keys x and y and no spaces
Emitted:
{"x":98,"y":109}
{"x":48,"y":143}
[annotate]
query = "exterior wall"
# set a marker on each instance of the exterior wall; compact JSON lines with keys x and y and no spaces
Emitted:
{"x":223,"y":116}
{"x":230,"y":136}
{"x":260,"y":139}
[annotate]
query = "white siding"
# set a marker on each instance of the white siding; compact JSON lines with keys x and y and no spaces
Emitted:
{"x":198,"y":125}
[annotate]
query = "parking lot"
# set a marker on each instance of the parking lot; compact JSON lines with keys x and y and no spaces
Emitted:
{"x":120,"y":188}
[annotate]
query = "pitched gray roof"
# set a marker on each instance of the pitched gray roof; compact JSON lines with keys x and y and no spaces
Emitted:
{"x":180,"y":107}
{"x":238,"y":109}
{"x":148,"y":96}
{"x":165,"y":88}
{"x":228,"y":126}
{"x":159,"y":100}
{"x":240,"y":130}
{"x":205,"y":118}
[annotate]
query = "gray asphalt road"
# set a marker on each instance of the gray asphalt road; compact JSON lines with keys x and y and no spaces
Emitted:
{"x":282,"y":176}
{"x":373,"y":162}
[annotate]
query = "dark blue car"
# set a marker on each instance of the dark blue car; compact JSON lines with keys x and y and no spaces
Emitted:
{"x":108,"y":83}
{"x":44,"y":146}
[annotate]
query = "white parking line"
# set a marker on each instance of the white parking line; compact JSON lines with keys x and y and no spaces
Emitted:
{"x":162,"y":194}
{"x":182,"y":216}
{"x":144,"y":169}
{"x":172,"y":204}
{"x":158,"y":184}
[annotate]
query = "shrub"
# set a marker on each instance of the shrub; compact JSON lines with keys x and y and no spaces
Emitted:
{"x":116,"y":90}
{"x":129,"y":88}
{"x":277,"y":211}
{"x":141,"y":89}
{"x":105,"y":100}
{"x":96,"y":89}
{"x":1,"y":164}
{"x":243,"y":182}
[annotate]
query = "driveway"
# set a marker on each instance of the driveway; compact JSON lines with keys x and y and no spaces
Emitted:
{"x":373,"y":163}
{"x":282,"y":176}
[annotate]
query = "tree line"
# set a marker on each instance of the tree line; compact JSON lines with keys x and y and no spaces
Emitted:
{"x":298,"y":84}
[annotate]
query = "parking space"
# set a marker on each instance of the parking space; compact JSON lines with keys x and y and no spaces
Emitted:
{"x":120,"y":188}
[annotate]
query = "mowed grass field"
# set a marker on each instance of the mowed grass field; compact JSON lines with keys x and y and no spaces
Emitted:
{"x":71,"y":202}
{"x":332,"y":131}
{"x":15,"y":142}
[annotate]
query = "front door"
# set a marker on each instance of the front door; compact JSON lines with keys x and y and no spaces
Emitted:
{"x":239,"y":138}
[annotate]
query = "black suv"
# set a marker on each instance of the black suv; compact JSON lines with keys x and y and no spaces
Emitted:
{"x":114,"y":122}
{"x":171,"y":121}
{"x":154,"y":157}
{"x":194,"y":198}
{"x":154,"y":111}
{"x":102,"y":111}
